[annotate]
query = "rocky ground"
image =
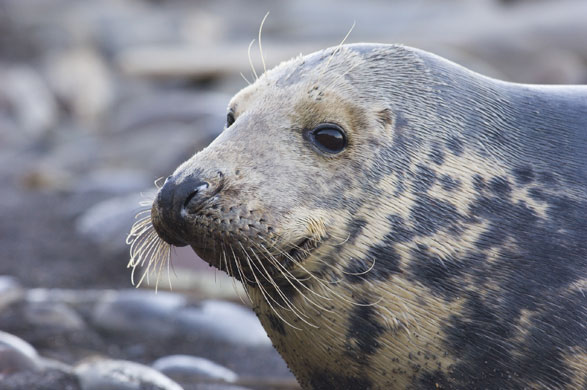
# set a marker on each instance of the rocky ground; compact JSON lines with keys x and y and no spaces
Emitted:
{"x":100,"y":98}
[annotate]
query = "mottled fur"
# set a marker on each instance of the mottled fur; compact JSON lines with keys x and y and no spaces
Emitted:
{"x":451,"y":234}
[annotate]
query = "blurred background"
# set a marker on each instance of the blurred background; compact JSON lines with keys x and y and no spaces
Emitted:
{"x":100,"y":98}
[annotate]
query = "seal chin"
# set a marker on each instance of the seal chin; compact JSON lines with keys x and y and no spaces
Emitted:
{"x":209,"y":255}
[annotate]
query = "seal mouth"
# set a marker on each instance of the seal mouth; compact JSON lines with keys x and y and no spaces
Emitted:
{"x":241,"y":263}
{"x":301,"y":251}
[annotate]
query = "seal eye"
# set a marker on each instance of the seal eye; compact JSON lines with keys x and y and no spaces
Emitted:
{"x":229,"y":119}
{"x":329,"y":138}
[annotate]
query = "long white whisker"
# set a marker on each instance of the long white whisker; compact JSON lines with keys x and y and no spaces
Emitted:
{"x":260,"y":45}
{"x":251,"y":59}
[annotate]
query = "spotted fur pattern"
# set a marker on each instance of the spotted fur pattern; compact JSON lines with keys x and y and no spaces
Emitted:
{"x":453,"y":227}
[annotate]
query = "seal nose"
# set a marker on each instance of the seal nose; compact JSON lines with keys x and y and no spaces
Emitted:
{"x":175,"y":200}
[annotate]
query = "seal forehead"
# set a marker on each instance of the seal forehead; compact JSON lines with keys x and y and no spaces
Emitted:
{"x":330,"y":68}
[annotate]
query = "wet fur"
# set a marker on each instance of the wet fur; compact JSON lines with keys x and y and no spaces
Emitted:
{"x":452,"y":231}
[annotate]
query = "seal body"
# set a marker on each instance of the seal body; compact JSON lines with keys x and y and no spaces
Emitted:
{"x":442,"y":245}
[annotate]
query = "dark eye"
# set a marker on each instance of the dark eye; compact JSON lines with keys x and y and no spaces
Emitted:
{"x":328,"y":137}
{"x":229,"y":119}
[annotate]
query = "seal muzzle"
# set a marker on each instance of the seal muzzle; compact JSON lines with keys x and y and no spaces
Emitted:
{"x":175,"y":201}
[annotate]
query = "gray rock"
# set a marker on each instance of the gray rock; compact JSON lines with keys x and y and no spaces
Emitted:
{"x":219,"y":386}
{"x":122,"y":375}
{"x":187,"y":368}
{"x":10,"y":291}
{"x":161,"y":108}
{"x":30,"y":102}
{"x":80,"y":300}
{"x":52,"y":364}
{"x":142,"y":312}
{"x":83,"y":82}
{"x":54,"y":317}
{"x":50,"y":379}
{"x":113,"y":181}
{"x":16,"y":355}
{"x":223,"y":321}
{"x":109,"y":222}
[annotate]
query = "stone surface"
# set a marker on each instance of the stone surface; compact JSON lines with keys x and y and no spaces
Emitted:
{"x":10,"y":291}
{"x":28,"y":101}
{"x":122,"y":375}
{"x":141,"y":312}
{"x":54,"y":317}
{"x":109,"y":221}
{"x":82,"y":80}
{"x":50,"y":379}
{"x":187,"y":368}
{"x":16,"y":355}
{"x":223,"y":321}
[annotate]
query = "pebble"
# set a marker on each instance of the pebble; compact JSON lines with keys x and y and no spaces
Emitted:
{"x":142,"y":312}
{"x":83,"y":82}
{"x":31,"y":103}
{"x":187,"y":368}
{"x":10,"y":291}
{"x":122,"y":375}
{"x":109,"y":222}
{"x":53,"y":317}
{"x":16,"y":355}
{"x":115,"y":182}
{"x":225,"y":322}
{"x":163,"y":107}
{"x":50,"y":379}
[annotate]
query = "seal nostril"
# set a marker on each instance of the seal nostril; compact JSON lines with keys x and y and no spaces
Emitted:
{"x":199,"y":189}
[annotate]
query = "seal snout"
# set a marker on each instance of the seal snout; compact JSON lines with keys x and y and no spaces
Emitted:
{"x":176,"y":200}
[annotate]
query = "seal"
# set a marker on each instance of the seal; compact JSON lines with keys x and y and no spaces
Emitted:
{"x":398,"y":221}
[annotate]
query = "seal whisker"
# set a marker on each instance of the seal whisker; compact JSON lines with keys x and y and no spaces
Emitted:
{"x":157,"y":182}
{"x":344,"y":242}
{"x":269,"y":298}
{"x":148,"y":254}
{"x":362,"y":272}
{"x":279,"y":266}
{"x":278,"y":289}
{"x":318,"y":260}
{"x":340,"y":76}
{"x":139,"y":229}
{"x":251,"y":60}
{"x":240,"y":272}
{"x":137,"y":242}
{"x":151,"y":255}
{"x":325,"y":284}
{"x":328,"y":283}
{"x":143,"y":216}
{"x":295,"y":277}
{"x":228,"y":268}
{"x":291,"y":307}
{"x":338,"y":48}
{"x":252,"y":265}
{"x":260,"y":44}
{"x":244,"y":78}
{"x":291,"y":258}
{"x":163,"y":258}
